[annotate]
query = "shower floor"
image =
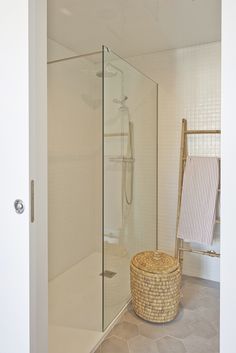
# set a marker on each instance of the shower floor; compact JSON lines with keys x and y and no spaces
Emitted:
{"x":75,"y":303}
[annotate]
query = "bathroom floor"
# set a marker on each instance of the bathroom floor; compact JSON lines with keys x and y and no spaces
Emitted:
{"x":195,"y":330}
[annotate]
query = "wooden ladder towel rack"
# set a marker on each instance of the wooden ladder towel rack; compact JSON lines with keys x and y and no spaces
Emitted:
{"x":179,"y":243}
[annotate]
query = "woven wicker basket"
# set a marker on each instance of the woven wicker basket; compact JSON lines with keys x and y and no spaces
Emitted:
{"x":155,"y":286}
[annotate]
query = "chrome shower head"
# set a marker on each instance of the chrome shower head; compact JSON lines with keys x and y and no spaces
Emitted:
{"x":108,"y":72}
{"x":120,"y":101}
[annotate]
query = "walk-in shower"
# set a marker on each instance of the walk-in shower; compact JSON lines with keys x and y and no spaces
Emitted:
{"x":102,"y":162}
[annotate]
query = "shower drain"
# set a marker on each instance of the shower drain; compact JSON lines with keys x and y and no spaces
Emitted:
{"x":108,"y":274}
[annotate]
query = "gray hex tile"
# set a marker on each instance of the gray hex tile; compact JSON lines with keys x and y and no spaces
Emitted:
{"x":196,"y":344}
{"x":198,"y":293}
{"x":212,"y":315}
{"x":170,"y":345}
{"x":192,"y":299}
{"x":203,"y":328}
{"x":114,"y":345}
{"x":211,"y":292}
{"x":131,"y":317}
{"x":211,"y":302}
{"x":141,"y":344}
{"x":152,"y":331}
{"x":182,"y":327}
{"x":181,"y":330}
{"x":125,"y":330}
{"x":193,"y":289}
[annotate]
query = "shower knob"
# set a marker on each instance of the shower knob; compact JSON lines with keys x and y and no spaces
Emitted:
{"x":19,"y":206}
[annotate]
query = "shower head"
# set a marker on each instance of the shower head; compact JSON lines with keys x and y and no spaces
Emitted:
{"x":120,"y":101}
{"x":108,"y":72}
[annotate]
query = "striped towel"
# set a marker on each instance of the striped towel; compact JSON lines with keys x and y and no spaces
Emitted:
{"x":199,"y":196}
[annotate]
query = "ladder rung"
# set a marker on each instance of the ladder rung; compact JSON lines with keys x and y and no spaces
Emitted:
{"x":184,"y":158}
{"x":210,"y":253}
{"x":199,"y":132}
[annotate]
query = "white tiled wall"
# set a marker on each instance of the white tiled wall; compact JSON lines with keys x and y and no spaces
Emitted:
{"x":189,"y":87}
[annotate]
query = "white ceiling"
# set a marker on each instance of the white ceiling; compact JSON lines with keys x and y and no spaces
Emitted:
{"x":133,"y":27}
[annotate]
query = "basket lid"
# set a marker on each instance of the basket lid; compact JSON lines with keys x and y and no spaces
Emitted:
{"x":155,"y":262}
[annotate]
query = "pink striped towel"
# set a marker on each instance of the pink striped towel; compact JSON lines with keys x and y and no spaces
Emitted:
{"x":199,"y":196}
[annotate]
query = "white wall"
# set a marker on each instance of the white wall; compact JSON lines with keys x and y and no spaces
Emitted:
{"x":228,"y":243}
{"x":189,"y":87}
{"x":74,"y":147}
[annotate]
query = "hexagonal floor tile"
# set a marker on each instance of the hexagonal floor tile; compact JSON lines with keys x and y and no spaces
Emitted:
{"x":196,"y":344}
{"x":130,"y":316}
{"x":153,"y":331}
{"x":170,"y":345}
{"x":125,"y":330}
{"x":181,"y":327}
{"x":196,"y":295}
{"x":114,"y":345}
{"x":211,"y":315}
{"x":192,"y":300}
{"x":141,"y":344}
{"x":203,"y":328}
{"x":211,"y":292}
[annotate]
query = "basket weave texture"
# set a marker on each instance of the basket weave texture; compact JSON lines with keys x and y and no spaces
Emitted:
{"x":155,"y":286}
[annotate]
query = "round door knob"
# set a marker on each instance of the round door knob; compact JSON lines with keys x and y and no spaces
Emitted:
{"x":19,"y":206}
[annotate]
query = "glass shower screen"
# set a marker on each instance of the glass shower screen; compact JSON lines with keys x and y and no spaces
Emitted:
{"x":129,"y":176}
